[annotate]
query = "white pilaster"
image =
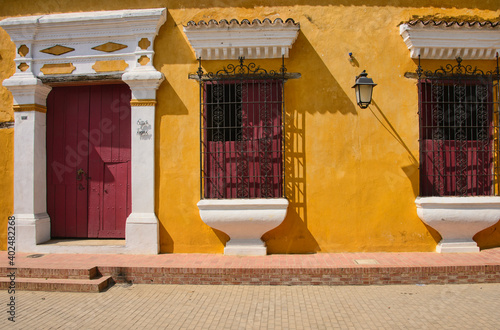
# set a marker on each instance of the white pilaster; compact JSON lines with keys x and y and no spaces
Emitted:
{"x":30,"y":185}
{"x":142,"y":229}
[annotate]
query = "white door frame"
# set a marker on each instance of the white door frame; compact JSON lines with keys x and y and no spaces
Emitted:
{"x":61,"y":47}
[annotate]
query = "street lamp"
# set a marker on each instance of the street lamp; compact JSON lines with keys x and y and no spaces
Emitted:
{"x":364,"y":89}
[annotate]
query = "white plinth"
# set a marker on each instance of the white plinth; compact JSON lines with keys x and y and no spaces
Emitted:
{"x":458,"y":219}
{"x":244,"y":220}
{"x":453,"y":246}
{"x":142,"y":234}
{"x":31,"y":229}
{"x":242,"y":247}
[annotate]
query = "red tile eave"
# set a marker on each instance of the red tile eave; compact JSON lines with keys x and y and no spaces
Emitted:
{"x":446,"y":23}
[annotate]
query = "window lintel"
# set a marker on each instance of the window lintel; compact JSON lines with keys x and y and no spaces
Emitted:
{"x":252,"y":40}
{"x":448,"y":40}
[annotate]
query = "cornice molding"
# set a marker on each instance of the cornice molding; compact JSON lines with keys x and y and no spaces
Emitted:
{"x":142,"y":103}
{"x":29,"y":107}
{"x":452,"y":22}
{"x":84,"y":38}
{"x":232,"y":39}
{"x":448,"y":41}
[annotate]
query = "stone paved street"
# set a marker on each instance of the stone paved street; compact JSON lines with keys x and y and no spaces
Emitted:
{"x":143,"y":306}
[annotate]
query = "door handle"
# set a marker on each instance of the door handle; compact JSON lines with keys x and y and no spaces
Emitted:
{"x":80,"y":174}
{"x":81,"y":187}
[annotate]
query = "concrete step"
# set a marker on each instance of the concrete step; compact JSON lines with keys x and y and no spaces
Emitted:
{"x":57,"y":284}
{"x":52,"y":273}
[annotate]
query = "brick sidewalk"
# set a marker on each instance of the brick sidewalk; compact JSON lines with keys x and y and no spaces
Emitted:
{"x":318,"y":260}
{"x":320,"y":268}
{"x":462,"y":306}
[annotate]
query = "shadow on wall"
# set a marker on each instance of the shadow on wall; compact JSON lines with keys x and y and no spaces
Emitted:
{"x":411,"y":170}
{"x":6,"y":182}
{"x":489,"y":237}
{"x":293,"y":236}
{"x":169,"y":103}
{"x":317,"y":91}
{"x":166,"y":241}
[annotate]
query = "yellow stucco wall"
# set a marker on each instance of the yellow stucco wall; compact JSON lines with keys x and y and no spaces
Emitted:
{"x":7,"y":54}
{"x":352,"y":174}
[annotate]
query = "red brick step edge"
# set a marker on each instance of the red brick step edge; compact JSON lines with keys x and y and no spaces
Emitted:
{"x":305,"y":276}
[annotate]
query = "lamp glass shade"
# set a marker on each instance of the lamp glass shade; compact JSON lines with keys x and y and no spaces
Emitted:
{"x":364,"y":89}
{"x":364,"y":95}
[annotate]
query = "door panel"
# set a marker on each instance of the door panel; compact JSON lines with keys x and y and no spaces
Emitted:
{"x":82,"y":149}
{"x":110,"y":120}
{"x":115,"y":199}
{"x":88,"y":135}
{"x":95,"y":163}
{"x":66,"y":153}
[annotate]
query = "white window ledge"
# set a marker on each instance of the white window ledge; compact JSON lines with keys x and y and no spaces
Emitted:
{"x":458,"y":219}
{"x":252,"y":40}
{"x":244,"y":220}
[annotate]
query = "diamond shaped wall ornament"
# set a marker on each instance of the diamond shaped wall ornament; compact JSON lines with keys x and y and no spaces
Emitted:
{"x":58,"y":68}
{"x":143,"y":60}
{"x":110,"y":66}
{"x":144,"y":43}
{"x":109,"y":47}
{"x":23,"y":67}
{"x":57,"y":50}
{"x":23,"y":50}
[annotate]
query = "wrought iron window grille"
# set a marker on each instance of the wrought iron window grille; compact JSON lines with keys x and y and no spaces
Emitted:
{"x":459,"y":130}
{"x":241,"y":131}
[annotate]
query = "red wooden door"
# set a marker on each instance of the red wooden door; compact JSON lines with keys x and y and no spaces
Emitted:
{"x":88,"y":160}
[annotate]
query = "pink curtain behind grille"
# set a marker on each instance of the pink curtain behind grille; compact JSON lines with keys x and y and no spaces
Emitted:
{"x":455,"y":168}
{"x":251,"y":166}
